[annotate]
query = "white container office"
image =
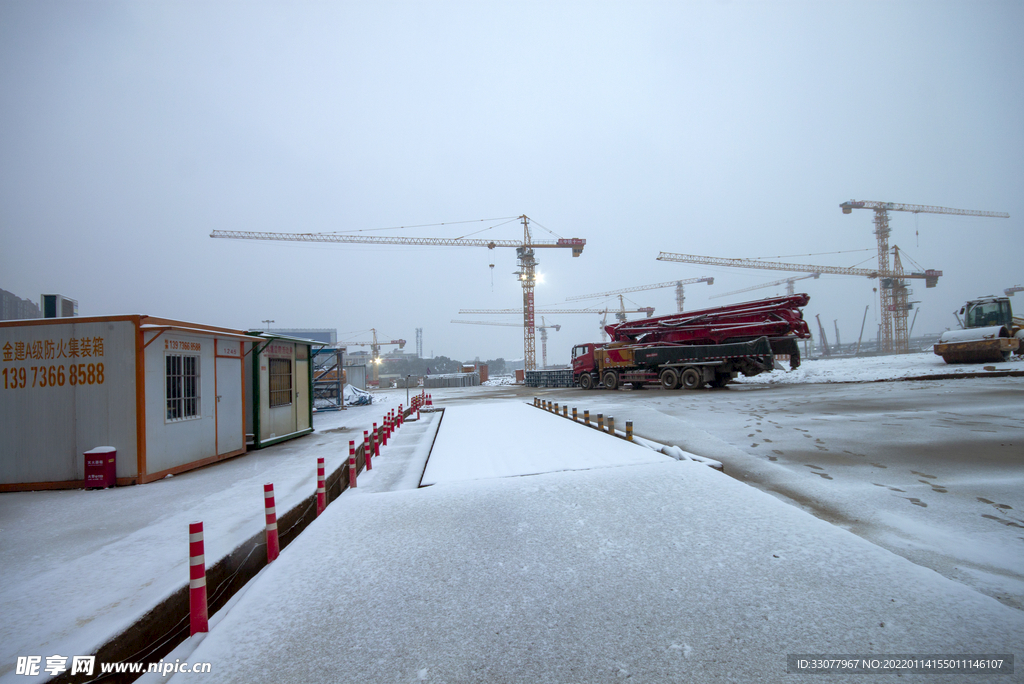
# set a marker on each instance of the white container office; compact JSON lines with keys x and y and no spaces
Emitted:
{"x":168,"y":395}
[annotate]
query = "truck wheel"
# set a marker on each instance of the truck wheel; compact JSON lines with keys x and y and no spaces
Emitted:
{"x":669,"y":379}
{"x":691,"y":379}
{"x":587,"y":381}
{"x":611,"y":380}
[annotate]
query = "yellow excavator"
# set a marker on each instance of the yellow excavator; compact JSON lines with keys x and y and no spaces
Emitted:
{"x":990,"y":332}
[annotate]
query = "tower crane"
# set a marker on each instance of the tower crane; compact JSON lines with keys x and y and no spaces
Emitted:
{"x":526,"y":272}
{"x":1010,"y":290}
{"x":893,"y":292}
{"x":375,"y":346}
{"x":543,"y":327}
{"x":788,"y":281}
{"x":680,"y":294}
{"x":620,"y":313}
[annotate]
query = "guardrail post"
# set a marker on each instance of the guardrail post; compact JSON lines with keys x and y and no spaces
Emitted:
{"x":574,"y":414}
{"x":629,"y":430}
{"x":611,"y":425}
{"x":600,"y":422}
{"x":586,"y":417}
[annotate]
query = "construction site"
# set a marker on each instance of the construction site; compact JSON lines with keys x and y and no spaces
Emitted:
{"x":511,"y":342}
{"x":700,"y":331}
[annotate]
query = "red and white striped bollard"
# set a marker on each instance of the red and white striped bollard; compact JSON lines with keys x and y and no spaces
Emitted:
{"x":366,"y":450}
{"x":198,"y":617}
{"x":321,"y":490}
{"x":376,"y":440}
{"x":273,"y":547}
{"x":351,"y":463}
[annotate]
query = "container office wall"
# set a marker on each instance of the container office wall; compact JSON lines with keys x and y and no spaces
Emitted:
{"x":279,"y":406}
{"x":168,"y":395}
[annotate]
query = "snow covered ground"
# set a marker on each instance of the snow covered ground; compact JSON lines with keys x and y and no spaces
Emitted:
{"x":932,"y":470}
{"x":477,"y":443}
{"x":874,"y":368}
{"x":81,"y":566}
{"x":651,"y":569}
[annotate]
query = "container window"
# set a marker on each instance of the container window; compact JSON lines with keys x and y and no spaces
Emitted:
{"x":280,"y":382}
{"x":182,"y":384}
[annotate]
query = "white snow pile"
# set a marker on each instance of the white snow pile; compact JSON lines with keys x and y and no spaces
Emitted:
{"x":499,"y":380}
{"x":874,"y":368}
{"x":357,"y":397}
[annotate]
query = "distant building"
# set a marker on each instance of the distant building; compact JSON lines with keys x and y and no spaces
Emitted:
{"x":14,"y":308}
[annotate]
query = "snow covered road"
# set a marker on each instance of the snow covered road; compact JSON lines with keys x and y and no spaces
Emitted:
{"x":661,"y":571}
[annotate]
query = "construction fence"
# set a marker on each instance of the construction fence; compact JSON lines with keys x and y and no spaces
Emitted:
{"x":561,"y":377}
{"x":452,"y":380}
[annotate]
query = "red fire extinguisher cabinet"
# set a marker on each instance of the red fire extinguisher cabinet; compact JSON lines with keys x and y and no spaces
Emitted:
{"x":100,"y":467}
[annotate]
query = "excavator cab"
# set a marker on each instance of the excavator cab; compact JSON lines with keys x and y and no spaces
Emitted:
{"x":987,"y":312}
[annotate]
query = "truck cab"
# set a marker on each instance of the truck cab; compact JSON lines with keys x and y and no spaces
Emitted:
{"x":986,"y":312}
{"x":583,"y":363}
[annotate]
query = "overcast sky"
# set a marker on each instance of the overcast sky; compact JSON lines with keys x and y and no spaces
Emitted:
{"x":130,"y":130}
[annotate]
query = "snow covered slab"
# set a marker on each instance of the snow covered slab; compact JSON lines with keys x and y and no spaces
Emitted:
{"x":873,"y":369}
{"x":665,"y":572}
{"x":508,"y":439}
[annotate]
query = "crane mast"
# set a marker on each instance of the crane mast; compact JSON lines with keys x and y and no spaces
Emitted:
{"x":527,"y":271}
{"x":892,"y":291}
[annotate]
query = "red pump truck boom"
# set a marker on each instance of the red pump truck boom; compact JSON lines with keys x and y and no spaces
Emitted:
{"x":695,"y":348}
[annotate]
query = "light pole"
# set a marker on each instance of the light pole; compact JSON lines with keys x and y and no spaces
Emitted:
{"x":407,"y":390}
{"x":268,"y":322}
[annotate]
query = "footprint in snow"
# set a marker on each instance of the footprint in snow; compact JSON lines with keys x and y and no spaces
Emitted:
{"x":1008,"y":523}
